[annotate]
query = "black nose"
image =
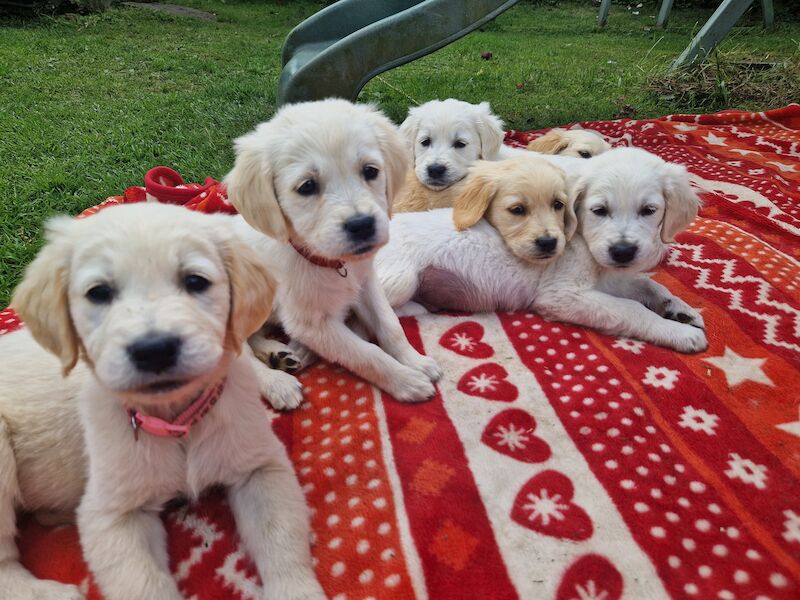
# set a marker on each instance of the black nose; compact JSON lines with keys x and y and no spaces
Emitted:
{"x":155,"y":353}
{"x":360,"y":228}
{"x":546,"y":244}
{"x":623,"y":252}
{"x":436,"y":171}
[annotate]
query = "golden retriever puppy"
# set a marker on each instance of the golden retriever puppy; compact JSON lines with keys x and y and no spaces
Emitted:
{"x":314,"y":186}
{"x":146,"y":309}
{"x":579,"y":143}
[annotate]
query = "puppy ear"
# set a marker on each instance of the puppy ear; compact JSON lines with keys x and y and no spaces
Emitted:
{"x":42,"y":299}
{"x":577,"y":189}
{"x":409,"y":129}
{"x":394,"y":151}
{"x":490,"y":131}
{"x":474,"y":199}
{"x":552,"y":142}
{"x":682,"y":204}
{"x":252,"y":292}
{"x":250,"y":186}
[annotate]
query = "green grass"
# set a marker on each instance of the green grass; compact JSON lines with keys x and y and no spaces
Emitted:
{"x":89,"y":103}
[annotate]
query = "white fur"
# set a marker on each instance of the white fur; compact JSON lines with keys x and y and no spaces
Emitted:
{"x":57,"y":435}
{"x":429,"y":261}
{"x":434,"y":131}
{"x":329,"y":142}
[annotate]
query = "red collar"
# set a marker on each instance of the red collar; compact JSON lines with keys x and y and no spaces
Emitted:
{"x":326,"y":263}
{"x":183,"y":422}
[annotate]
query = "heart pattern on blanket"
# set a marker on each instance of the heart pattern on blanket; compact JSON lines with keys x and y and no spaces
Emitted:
{"x":489,"y":381}
{"x":511,"y":432}
{"x":591,"y":576}
{"x":544,"y":504}
{"x":465,"y":339}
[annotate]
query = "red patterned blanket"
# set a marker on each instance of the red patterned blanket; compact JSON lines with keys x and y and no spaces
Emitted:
{"x":557,"y":463}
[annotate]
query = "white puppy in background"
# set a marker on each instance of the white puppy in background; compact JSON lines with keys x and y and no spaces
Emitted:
{"x":479,"y":269}
{"x":149,"y":306}
{"x":319,"y":180}
{"x":447,"y":136}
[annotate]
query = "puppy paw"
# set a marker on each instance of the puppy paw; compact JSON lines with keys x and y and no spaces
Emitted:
{"x":689,"y":339}
{"x":676,"y":309}
{"x":426,"y":365}
{"x":275,"y":354}
{"x":282,"y":390}
{"x":303,"y":354}
{"x":410,"y":385}
{"x":52,"y":590}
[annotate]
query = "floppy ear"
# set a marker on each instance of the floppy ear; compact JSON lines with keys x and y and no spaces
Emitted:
{"x":250,"y":186}
{"x":490,"y":131}
{"x":394,"y":151}
{"x":474,"y":199}
{"x":682,"y":204}
{"x":552,"y":142}
{"x":42,"y":300}
{"x":409,"y":129}
{"x":252,"y":292}
{"x":577,"y":189}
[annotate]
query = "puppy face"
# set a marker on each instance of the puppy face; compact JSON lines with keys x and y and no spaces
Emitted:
{"x":155,"y":297}
{"x":447,"y":136}
{"x":574,"y":142}
{"x":525,"y":199}
{"x":630,"y":204}
{"x":322,"y":174}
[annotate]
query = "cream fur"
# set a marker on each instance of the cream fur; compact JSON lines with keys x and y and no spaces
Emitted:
{"x":328,"y":142}
{"x":66,"y":443}
{"x":579,"y":143}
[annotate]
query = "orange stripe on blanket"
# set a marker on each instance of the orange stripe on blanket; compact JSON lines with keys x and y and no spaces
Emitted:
{"x":756,"y":404}
{"x":335,"y":444}
{"x":710,"y":475}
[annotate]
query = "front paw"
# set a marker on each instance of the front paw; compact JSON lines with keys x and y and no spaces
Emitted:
{"x":677,"y":310}
{"x":276,"y":355}
{"x":688,"y":339}
{"x":282,"y":390}
{"x":426,"y":365}
{"x":410,"y":385}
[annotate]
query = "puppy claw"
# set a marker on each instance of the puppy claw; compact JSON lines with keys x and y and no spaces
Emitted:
{"x":411,"y":385}
{"x":690,"y":340}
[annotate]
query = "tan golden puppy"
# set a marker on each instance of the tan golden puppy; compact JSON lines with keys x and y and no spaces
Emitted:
{"x":525,"y":199}
{"x":580,"y":143}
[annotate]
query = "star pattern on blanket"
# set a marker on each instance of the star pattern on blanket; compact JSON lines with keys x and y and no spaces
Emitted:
{"x":738,"y":369}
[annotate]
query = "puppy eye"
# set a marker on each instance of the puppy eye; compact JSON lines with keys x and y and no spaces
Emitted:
{"x":517,"y":210}
{"x":100,"y":294}
{"x":459,"y":144}
{"x":646,"y":211}
{"x":600,"y":211}
{"x":584,"y":154}
{"x":196,"y":284}
{"x":307,"y":188}
{"x":370,"y":172}
{"x":425,"y":142}
{"x":558,"y":204}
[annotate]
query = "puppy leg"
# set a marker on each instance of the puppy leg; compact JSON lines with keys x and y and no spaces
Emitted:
{"x":654,"y":296}
{"x":16,"y":582}
{"x":273,"y":353}
{"x":282,"y":390}
{"x":126,"y":552}
{"x":272,"y":519}
{"x":375,"y":311}
{"x":622,"y":317}
{"x":337,"y":343}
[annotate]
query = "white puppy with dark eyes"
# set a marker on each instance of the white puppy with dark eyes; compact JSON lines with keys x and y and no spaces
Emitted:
{"x":147,"y":308}
{"x":447,"y":136}
{"x":485,"y":268}
{"x":319,"y":180}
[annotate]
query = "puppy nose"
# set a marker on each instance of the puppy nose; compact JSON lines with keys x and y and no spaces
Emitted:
{"x":623,"y":252}
{"x":436,"y":171}
{"x":546,"y":244}
{"x":360,"y":228}
{"x":155,"y":353}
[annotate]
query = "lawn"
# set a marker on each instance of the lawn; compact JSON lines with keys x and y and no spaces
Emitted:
{"x":89,"y":103}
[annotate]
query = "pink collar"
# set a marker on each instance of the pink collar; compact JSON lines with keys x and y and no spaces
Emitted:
{"x":327,"y":263}
{"x":183,"y":422}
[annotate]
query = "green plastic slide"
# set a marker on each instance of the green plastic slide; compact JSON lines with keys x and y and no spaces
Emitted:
{"x":339,"y":49}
